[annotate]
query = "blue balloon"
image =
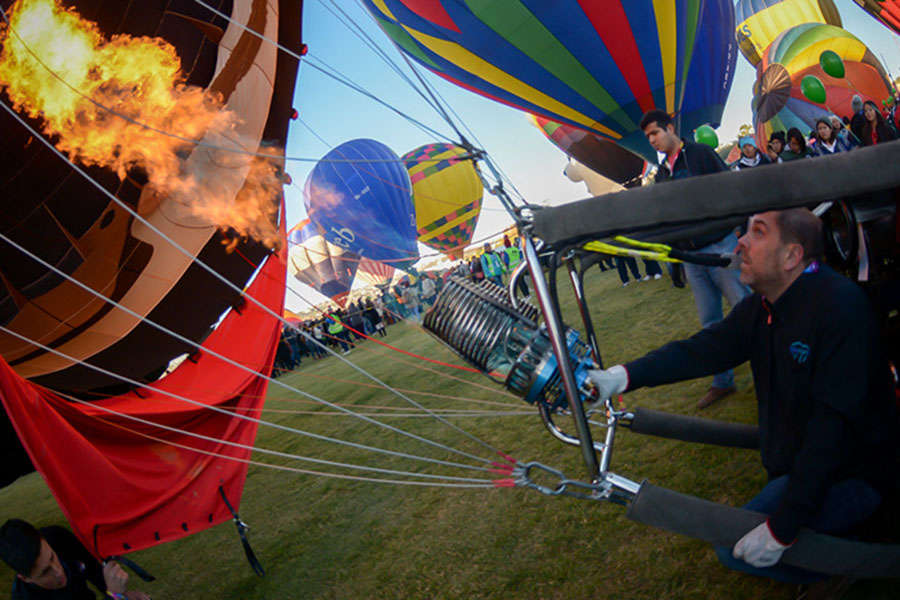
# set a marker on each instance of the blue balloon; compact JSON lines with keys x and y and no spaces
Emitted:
{"x":712,"y":67}
{"x":360,"y":196}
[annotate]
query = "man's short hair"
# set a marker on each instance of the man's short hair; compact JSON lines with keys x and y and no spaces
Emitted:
{"x":801,"y":226}
{"x":661,"y":117}
{"x":20,"y":545}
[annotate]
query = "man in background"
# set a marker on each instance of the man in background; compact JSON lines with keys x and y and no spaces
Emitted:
{"x":684,"y":159}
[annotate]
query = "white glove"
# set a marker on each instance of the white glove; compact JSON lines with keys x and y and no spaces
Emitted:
{"x":610,"y":382}
{"x":759,"y":547}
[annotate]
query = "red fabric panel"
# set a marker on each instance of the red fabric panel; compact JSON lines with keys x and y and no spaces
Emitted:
{"x":122,"y":491}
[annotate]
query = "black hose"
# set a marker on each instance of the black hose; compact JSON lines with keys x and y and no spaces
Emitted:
{"x":693,"y":429}
{"x":722,"y":525}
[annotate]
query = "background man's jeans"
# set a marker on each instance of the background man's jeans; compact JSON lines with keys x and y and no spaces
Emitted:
{"x":709,"y":285}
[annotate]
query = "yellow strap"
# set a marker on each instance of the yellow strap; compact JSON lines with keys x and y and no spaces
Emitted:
{"x":645,"y":245}
{"x":605,"y":248}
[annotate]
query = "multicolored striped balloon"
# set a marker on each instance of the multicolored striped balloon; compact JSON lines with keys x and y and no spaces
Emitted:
{"x":759,"y":22}
{"x":447,"y":193}
{"x":594,"y":65}
{"x":778,"y":101}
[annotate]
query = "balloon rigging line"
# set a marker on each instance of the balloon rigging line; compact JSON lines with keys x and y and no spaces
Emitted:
{"x":325,"y":70}
{"x":418,"y":326}
{"x":450,"y":415}
{"x":298,"y":57}
{"x":212,"y":353}
{"x":375,"y":176}
{"x":347,"y":21}
{"x":195,"y":142}
{"x":489,"y":483}
{"x":433,"y":91}
{"x":244,"y":446}
{"x":438,"y":100}
{"x":220,"y":410}
{"x":229,"y":284}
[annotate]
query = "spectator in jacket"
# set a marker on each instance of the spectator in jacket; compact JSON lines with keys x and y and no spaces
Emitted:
{"x":827,"y":140}
{"x":796,"y":146}
{"x":875,"y":130}
{"x":709,"y":284}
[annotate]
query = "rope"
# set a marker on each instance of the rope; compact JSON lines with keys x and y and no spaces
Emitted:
{"x":253,"y":448}
{"x":239,"y":416}
{"x":172,"y":135}
{"x":228,"y":283}
{"x":307,"y":471}
{"x":213,"y":353}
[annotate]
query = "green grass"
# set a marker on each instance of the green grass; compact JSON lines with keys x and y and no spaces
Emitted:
{"x":330,"y":538}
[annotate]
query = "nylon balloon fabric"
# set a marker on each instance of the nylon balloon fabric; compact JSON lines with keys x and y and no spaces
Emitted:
{"x":56,"y":213}
{"x":759,"y":22}
{"x":779,"y":102}
{"x":125,"y":485}
{"x":712,"y":68}
{"x":447,"y":193}
{"x":596,"y":153}
{"x":360,"y":197}
{"x":374,"y":273}
{"x":886,"y":11}
{"x":594,"y":65}
{"x":312,"y":260}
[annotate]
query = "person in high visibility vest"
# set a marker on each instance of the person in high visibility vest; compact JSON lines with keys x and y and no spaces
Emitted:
{"x":514,"y":257}
{"x":337,"y":330}
{"x":492,"y":265}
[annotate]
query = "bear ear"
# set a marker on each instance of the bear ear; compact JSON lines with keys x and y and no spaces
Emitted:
{"x":213,"y":33}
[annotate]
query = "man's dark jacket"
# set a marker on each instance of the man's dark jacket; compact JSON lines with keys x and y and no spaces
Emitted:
{"x":693,"y":160}
{"x":825,"y":399}
{"x":78,"y":563}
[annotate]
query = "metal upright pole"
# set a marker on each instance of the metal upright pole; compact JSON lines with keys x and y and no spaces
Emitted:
{"x":578,"y":288}
{"x":560,"y":350}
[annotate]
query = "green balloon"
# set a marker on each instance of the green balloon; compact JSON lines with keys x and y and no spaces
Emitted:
{"x":832,"y":64}
{"x":812,"y":88}
{"x":706,"y":135}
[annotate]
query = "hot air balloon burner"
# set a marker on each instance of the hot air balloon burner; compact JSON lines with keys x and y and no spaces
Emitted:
{"x":479,"y":322}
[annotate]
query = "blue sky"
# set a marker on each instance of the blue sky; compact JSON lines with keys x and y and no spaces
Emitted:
{"x":333,"y":112}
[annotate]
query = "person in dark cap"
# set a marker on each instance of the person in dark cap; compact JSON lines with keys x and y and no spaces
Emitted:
{"x":51,"y":563}
{"x":776,"y":146}
{"x":858,"y":119}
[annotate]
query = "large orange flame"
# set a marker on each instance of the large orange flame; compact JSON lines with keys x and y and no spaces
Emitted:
{"x":108,"y":102}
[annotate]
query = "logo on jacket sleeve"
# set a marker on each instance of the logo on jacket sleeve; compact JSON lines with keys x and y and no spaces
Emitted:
{"x":799,"y":352}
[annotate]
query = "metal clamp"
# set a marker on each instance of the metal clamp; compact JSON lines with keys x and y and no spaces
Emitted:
{"x":522,"y":476}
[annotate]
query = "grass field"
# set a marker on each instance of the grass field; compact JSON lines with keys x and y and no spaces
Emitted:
{"x":330,"y":538}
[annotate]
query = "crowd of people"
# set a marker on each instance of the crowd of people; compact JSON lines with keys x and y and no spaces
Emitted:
{"x":867,"y":126}
{"x":343,"y":328}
